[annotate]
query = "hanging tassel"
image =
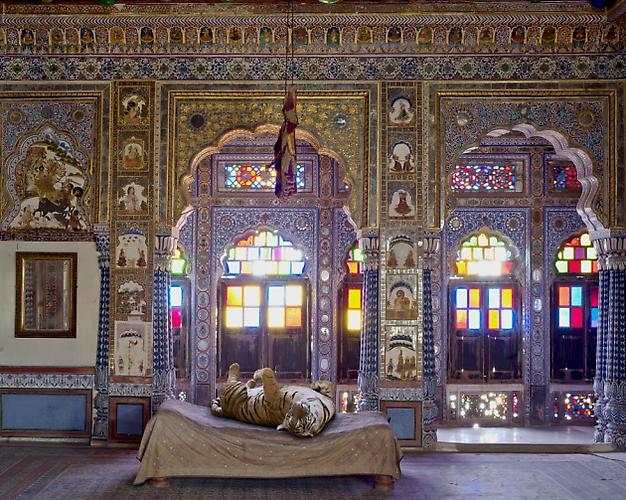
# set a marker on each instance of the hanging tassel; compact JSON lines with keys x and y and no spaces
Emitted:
{"x":285,"y":161}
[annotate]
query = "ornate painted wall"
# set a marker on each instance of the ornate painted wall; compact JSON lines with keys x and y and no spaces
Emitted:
{"x":106,"y":121}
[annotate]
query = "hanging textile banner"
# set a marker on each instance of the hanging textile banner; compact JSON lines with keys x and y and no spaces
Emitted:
{"x":285,"y":161}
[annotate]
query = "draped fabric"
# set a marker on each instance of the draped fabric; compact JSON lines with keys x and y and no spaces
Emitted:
{"x":184,"y":440}
{"x":285,"y":161}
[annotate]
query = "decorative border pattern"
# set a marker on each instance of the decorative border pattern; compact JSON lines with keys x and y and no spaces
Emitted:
{"x":46,"y":381}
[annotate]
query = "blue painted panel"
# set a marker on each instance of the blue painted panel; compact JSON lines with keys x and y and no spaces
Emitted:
{"x":48,"y":412}
{"x":129,"y":418}
{"x":402,"y":421}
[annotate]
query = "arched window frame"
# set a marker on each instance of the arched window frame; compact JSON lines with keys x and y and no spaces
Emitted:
{"x":480,"y":304}
{"x":574,"y":311}
{"x":259,"y":340}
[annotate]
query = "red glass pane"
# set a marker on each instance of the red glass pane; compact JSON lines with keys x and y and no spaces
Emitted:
{"x":176,"y":317}
{"x":594,"y":297}
{"x":574,"y":266}
{"x":577,"y":317}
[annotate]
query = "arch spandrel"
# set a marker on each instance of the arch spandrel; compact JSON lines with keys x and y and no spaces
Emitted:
{"x":578,"y":123}
{"x":338,"y":121}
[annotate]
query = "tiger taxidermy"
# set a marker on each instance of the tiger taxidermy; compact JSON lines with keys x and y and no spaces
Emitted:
{"x":302,"y":411}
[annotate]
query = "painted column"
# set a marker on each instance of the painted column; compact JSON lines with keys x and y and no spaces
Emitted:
{"x":430,"y":252}
{"x":368,"y":361}
{"x":163,"y":376}
{"x":603,"y":323}
{"x":613,"y":346}
{"x":101,"y":401}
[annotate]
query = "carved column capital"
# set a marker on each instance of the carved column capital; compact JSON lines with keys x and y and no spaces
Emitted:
{"x":165,"y":240}
{"x":611,"y":249}
{"x":429,"y":245}
{"x":369,"y":243}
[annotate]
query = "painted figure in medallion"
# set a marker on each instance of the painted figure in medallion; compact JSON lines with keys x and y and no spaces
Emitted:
{"x":133,"y":154}
{"x":131,"y":250}
{"x":401,"y":112}
{"x":401,"y":206}
{"x":49,"y":184}
{"x":401,"y":159}
{"x":132,"y":200}
{"x":134,"y":109}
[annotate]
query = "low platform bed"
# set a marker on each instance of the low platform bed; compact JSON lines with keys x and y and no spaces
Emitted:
{"x":185,"y":440}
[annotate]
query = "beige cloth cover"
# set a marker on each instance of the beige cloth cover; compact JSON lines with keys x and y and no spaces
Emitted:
{"x":186,"y":440}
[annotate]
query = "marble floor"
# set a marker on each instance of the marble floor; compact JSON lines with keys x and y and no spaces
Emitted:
{"x":73,"y":472}
{"x":517,"y":435}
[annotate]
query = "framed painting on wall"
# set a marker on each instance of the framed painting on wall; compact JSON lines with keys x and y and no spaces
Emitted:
{"x":45,"y":295}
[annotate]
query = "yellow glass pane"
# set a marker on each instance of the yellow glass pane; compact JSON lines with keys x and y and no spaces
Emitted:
{"x":251,"y":317}
{"x":461,"y":319}
{"x":234,"y":317}
{"x":284,"y":267}
{"x":461,"y":267}
{"x":500,"y":254}
{"x":585,"y":240}
{"x":483,"y":241}
{"x":354,"y":320}
{"x":271,"y":240}
{"x":561,"y":266}
{"x":234,"y":296}
{"x":271,"y":268}
{"x":252,"y":296}
{"x":353,"y":267}
{"x":276,"y":317}
{"x":507,"y":298}
{"x":259,"y":239}
{"x":354,"y":298}
{"x":276,"y":295}
{"x":466,"y":253}
{"x":472,"y":268}
{"x":494,"y":319}
{"x":568,"y":253}
{"x":474,"y":297}
{"x":293,"y":317}
{"x":585,"y":266}
{"x":293,"y":295}
{"x":258,"y":268}
{"x":246,"y":267}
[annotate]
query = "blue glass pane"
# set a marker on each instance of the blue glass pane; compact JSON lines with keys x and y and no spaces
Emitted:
{"x":474,"y":319}
{"x":594,"y":317}
{"x":461,"y":298}
{"x":297,"y":267}
{"x":176,"y":296}
{"x":577,"y":296}
{"x":506,"y":319}
{"x":233,"y":267}
{"x":564,"y":321}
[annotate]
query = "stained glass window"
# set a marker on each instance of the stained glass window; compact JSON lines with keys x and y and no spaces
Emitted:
{"x":575,"y":310}
{"x":488,"y":178}
{"x":483,"y":255}
{"x":178,"y":263}
{"x":564,"y":177}
{"x":256,"y":176}
{"x":355,"y":259}
{"x":484,"y":322}
{"x":351,"y":298}
{"x":577,"y":256}
{"x":264,"y":253}
{"x":179,"y":305}
{"x":263,"y":307}
{"x":573,"y":407}
{"x":484,"y":407}
{"x":176,"y":305}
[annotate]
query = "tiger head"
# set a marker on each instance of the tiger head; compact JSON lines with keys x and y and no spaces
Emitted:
{"x":299,"y":420}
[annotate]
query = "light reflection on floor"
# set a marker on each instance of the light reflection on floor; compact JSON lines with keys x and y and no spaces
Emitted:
{"x":518,"y":435}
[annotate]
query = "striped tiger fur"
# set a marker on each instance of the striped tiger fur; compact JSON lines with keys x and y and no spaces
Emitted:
{"x":302,"y":411}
